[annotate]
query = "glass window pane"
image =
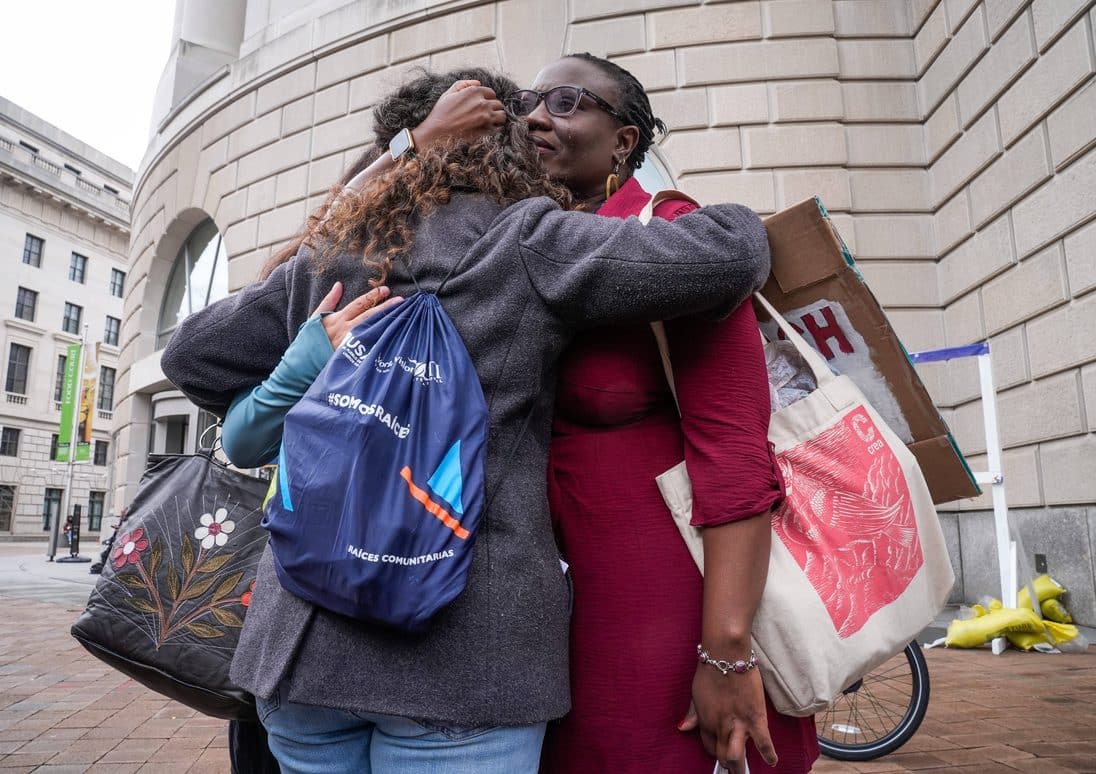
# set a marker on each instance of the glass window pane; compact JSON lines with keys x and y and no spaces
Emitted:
{"x":32,"y":250}
{"x":198,"y":278}
{"x":78,"y":268}
{"x":18,"y":365}
{"x":9,"y":442}
{"x":59,"y":379}
{"x":7,"y":506}
{"x":653,"y":174}
{"x":106,"y":389}
{"x":51,"y":506}
{"x":111,"y":331}
{"x":96,"y":500}
{"x":71,"y":321}
{"x":26,"y":304}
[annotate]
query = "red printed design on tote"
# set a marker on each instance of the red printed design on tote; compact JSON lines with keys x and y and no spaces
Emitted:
{"x":848,"y":520}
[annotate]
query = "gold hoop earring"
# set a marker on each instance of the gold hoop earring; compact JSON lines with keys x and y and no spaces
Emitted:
{"x":612,"y":182}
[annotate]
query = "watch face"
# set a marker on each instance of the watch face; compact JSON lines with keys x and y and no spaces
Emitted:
{"x":400,"y":144}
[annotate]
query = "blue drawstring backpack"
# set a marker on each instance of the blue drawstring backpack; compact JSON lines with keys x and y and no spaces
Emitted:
{"x":380,"y":481}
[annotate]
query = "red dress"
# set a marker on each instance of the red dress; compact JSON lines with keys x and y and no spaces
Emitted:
{"x":637,"y":593}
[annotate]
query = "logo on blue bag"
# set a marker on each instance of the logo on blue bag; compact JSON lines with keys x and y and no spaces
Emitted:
{"x":447,"y":483}
{"x":354,"y":350}
{"x":424,"y":372}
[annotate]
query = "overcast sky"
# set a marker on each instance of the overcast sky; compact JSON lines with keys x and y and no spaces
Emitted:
{"x":89,"y":67}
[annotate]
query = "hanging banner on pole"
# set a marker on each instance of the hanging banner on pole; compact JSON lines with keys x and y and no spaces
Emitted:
{"x":87,"y":405}
{"x":70,"y":394}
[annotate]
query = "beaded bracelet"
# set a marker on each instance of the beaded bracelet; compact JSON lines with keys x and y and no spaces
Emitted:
{"x":726,"y":667}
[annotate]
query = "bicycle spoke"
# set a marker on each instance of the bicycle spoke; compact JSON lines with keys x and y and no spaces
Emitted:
{"x":880,"y":715}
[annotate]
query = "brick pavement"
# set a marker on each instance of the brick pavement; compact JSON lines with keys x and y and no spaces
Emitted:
{"x":1017,"y":712}
{"x":62,"y":711}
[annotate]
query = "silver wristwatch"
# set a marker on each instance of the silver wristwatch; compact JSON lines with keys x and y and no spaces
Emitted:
{"x":402,"y":143}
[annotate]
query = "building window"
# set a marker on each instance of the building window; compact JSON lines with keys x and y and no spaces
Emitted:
{"x":175,"y":432}
{"x":117,"y":282}
{"x":207,"y":437}
{"x":96,"y":501}
{"x":71,"y":322}
{"x":32,"y":250}
{"x":26,"y":304}
{"x":18,"y":367}
{"x":73,"y":170}
{"x":101,"y":449}
{"x":654,"y":174}
{"x":106,"y":389}
{"x":51,"y":507}
{"x":110,"y":334}
{"x":53,"y":441}
{"x":7,"y":506}
{"x":198,"y":278}
{"x":78,"y":268}
{"x":110,"y":189}
{"x":59,"y":382}
{"x":9,"y":442}
{"x":29,"y":147}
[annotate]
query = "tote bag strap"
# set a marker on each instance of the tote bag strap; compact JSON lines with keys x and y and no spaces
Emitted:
{"x":818,"y":366}
{"x":669,"y":194}
{"x":658,"y":328}
{"x":664,"y":352}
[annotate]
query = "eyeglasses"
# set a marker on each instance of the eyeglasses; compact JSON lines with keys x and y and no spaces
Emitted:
{"x":562,"y":101}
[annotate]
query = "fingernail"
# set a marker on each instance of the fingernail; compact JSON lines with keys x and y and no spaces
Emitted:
{"x":681,"y":725}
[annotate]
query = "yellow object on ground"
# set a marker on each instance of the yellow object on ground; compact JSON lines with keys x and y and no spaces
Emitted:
{"x":1045,"y":588}
{"x":1054,"y":610}
{"x":977,"y":631}
{"x":1053,"y":633}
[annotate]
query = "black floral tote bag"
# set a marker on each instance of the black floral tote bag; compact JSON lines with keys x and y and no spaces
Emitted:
{"x":170,"y":603}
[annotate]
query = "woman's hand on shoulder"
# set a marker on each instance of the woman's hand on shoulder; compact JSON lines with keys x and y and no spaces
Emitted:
{"x":339,"y":323}
{"x":465,"y":112}
{"x":728,"y":709}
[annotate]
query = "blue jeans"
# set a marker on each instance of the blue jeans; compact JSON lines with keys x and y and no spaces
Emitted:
{"x":307,"y":739}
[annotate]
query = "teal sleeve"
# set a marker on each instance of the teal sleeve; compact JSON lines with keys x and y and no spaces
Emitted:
{"x":252,"y":428}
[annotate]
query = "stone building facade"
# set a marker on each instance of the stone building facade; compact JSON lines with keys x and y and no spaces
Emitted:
{"x":952,"y":140}
{"x":64,"y":236}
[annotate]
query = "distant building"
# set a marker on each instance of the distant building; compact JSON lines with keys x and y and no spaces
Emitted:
{"x":64,"y":235}
{"x":952,"y":142}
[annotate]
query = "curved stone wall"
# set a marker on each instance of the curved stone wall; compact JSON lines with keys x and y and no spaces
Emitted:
{"x":952,"y":140}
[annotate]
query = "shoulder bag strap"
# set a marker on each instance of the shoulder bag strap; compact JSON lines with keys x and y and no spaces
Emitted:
{"x":658,"y":328}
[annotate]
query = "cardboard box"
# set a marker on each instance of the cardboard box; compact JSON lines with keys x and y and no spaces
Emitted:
{"x":816,"y":286}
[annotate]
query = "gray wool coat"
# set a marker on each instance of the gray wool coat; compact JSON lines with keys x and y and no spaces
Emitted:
{"x":529,"y":277}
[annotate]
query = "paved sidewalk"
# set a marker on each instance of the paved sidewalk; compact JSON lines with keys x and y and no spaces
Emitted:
{"x":62,"y":710}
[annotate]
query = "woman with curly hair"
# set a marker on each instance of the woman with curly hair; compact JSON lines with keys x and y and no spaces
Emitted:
{"x":474,"y":692}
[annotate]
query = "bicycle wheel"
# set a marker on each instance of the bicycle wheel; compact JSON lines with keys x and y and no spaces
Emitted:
{"x":878,"y":713}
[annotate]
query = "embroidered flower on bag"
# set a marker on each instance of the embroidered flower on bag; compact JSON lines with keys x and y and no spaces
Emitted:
{"x":215,"y":528}
{"x":128,"y":548}
{"x":245,"y":598}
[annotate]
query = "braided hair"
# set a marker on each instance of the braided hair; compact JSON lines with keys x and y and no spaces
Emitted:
{"x":635,"y":106}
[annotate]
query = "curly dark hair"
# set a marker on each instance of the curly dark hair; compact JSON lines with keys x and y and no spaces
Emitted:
{"x":379,"y":219}
{"x":410,"y":103}
{"x":634,"y":105}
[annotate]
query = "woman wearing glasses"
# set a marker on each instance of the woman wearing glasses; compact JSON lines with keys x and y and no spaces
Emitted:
{"x":640,"y":607}
{"x":472,"y":694}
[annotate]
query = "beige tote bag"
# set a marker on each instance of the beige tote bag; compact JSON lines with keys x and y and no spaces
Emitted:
{"x":858,"y":565}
